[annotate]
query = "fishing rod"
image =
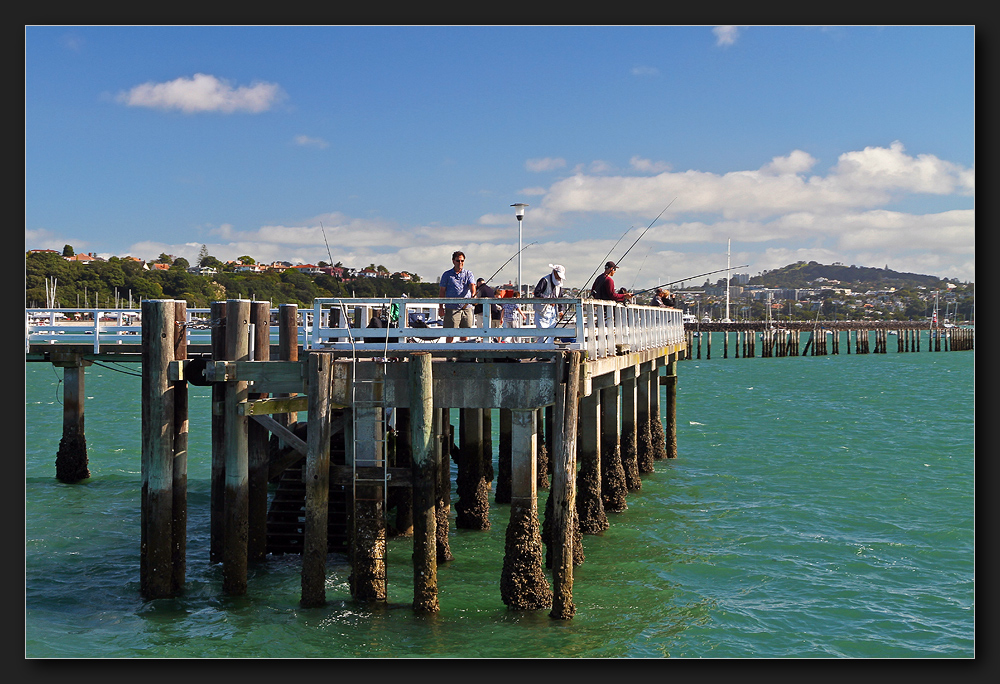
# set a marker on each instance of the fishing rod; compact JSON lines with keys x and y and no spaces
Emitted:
{"x":606,"y":256}
{"x":640,"y":268}
{"x":327,"y":243}
{"x":619,"y":262}
{"x":672,"y":282}
{"x":487,"y":281}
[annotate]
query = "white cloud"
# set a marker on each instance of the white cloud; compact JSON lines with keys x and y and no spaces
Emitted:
{"x":725,"y":35}
{"x":645,"y":71}
{"x":203,"y":93}
{"x":647,"y":165}
{"x":860,"y":180}
{"x":306,"y":141}
{"x":786,"y":211}
{"x":545,"y":164}
{"x":891,"y":169}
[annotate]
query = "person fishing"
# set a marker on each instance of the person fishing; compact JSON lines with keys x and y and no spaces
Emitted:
{"x":604,"y":286}
{"x":484,"y":291}
{"x":457,"y":281}
{"x":663,"y":298}
{"x":549,"y":287}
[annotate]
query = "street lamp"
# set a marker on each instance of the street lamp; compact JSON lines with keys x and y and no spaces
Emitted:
{"x":519,"y":213}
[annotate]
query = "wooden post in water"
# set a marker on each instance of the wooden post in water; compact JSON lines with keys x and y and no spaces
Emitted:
{"x":502,"y":492}
{"x":71,"y":457}
{"x":670,"y":418}
{"x":629,"y":441}
{"x":257,"y":443}
{"x":613,"y":489}
{"x":237,"y":500}
{"x":425,"y":476}
{"x":179,"y":479}
{"x":442,"y":501}
{"x":156,"y":578}
{"x":659,"y":441}
{"x":217,"y":523}
{"x":589,"y":504}
{"x":563,"y":489}
{"x":317,"y":482}
{"x":288,"y":349}
{"x":644,"y":438}
{"x":473,"y":506}
{"x":368,"y":530}
{"x":543,"y":428}
{"x":523,"y":585}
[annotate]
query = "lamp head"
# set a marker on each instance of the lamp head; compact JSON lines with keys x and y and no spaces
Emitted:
{"x":519,"y":210}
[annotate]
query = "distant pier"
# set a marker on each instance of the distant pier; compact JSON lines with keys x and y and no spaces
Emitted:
{"x":821,"y":338}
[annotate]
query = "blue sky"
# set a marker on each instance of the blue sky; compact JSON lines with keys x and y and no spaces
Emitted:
{"x":398,"y":145}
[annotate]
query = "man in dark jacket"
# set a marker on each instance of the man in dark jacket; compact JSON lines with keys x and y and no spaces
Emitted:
{"x":604,"y":286}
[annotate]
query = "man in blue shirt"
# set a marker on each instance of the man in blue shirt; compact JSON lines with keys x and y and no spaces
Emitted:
{"x":457,"y":282}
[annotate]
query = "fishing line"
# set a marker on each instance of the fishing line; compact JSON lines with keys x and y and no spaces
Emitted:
{"x":622,"y":257}
{"x":606,"y":257}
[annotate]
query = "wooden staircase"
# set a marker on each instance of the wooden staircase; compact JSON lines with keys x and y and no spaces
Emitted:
{"x":286,"y":510}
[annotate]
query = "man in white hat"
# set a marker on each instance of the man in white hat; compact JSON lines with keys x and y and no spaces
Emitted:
{"x":549,"y":287}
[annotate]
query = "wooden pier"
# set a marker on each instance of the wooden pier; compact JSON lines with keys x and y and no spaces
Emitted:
{"x":597,"y":375}
{"x":578,"y":407}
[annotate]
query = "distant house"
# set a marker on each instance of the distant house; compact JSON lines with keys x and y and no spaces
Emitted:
{"x":308,"y":269}
{"x":336,"y":271}
{"x":369,"y":272}
{"x":403,"y":275}
{"x":156,"y":266}
{"x":84,"y":258}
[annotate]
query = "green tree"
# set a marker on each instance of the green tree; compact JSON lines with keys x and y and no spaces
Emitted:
{"x":68,"y":251}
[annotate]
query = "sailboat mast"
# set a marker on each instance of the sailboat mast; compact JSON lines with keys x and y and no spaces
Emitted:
{"x":729,"y":243}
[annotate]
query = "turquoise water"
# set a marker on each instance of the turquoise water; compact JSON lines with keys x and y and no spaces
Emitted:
{"x":819,"y":507}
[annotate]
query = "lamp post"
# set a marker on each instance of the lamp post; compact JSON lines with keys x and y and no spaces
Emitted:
{"x":519,"y":213}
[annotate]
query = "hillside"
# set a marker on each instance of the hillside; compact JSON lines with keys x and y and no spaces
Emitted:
{"x":858,"y":278}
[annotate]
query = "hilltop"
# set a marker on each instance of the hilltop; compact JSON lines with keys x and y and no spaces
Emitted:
{"x":803,"y":274}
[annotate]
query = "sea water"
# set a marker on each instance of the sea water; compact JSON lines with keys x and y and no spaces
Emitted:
{"x":819,"y":507}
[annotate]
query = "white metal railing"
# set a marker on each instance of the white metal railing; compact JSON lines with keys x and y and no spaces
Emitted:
{"x":601,"y":328}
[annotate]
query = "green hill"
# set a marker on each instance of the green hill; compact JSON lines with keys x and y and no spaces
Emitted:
{"x":806,"y":274}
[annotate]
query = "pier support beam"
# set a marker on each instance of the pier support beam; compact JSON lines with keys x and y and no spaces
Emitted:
{"x":563,"y":491}
{"x":473,"y":506}
{"x":655,"y":422}
{"x":217,"y":523}
{"x":523,"y":585}
{"x":178,"y":483}
{"x":156,"y":556}
{"x":368,"y":530}
{"x":71,"y":458}
{"x":425,"y":478}
{"x":629,"y":441}
{"x":670,"y":418}
{"x":237,"y":492}
{"x":644,"y":437}
{"x":317,"y":482}
{"x":613,"y":489}
{"x":257,"y":443}
{"x":589,"y":504}
{"x":502,"y":492}
{"x":442,"y":501}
